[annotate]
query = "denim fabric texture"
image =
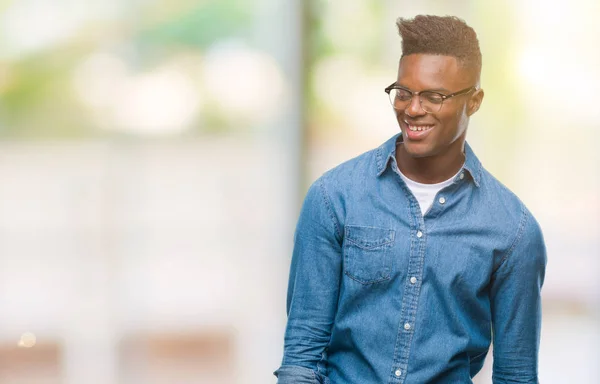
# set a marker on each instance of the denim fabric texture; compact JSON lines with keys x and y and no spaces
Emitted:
{"x":379,"y":293}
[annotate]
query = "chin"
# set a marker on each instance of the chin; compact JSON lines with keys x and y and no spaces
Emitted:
{"x":417,"y":150}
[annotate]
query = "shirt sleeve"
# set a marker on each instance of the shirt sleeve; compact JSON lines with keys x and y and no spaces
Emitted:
{"x":313,"y":289}
{"x":516,"y":307}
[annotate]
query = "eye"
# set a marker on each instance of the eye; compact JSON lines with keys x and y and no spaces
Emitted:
{"x":433,"y":97}
{"x":403,"y":94}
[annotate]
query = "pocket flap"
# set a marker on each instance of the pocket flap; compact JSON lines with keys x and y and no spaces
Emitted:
{"x":369,"y":237}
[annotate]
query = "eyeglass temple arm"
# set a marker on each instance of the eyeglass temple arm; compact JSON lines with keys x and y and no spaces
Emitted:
{"x":463,"y":91}
{"x":389,"y":87}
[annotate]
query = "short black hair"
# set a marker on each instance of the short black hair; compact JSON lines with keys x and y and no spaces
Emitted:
{"x":441,"y":35}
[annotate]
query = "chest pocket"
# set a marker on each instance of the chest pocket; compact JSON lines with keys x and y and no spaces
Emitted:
{"x":367,"y":253}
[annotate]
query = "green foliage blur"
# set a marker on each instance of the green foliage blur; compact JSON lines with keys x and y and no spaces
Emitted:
{"x":37,"y":97}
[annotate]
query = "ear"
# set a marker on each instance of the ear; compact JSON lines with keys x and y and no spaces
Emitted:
{"x":475,"y":102}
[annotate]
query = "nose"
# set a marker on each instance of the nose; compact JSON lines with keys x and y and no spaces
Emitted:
{"x":414,"y":108}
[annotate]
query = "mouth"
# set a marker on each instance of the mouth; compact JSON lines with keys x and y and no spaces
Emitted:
{"x":416,"y":131}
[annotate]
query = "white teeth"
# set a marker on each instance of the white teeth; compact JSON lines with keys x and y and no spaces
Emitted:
{"x":419,"y":127}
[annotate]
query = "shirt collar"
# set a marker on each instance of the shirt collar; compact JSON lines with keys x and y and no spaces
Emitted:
{"x":387,"y":151}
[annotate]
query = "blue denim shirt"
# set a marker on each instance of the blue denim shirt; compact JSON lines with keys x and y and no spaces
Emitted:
{"x":379,"y":293}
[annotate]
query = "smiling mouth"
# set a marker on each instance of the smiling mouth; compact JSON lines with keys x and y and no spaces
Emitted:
{"x":418,"y":128}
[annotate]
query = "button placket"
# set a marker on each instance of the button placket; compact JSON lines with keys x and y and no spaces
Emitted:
{"x":410,"y":301}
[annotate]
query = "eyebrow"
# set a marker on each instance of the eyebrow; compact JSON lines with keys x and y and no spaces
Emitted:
{"x":442,"y":90}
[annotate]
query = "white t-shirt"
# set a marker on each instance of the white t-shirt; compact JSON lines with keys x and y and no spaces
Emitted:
{"x":425,"y":193}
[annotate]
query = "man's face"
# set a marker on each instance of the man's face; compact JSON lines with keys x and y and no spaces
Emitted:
{"x":432,"y":134}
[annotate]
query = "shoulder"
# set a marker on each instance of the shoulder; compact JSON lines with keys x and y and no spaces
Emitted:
{"x":363,"y":166}
{"x":336,"y":187}
{"x":503,"y":203}
{"x":507,"y":210}
{"x":359,"y":170}
{"x":346,"y":176}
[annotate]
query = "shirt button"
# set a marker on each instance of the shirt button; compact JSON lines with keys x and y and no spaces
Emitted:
{"x":407,"y":326}
{"x":398,"y":373}
{"x":419,"y":234}
{"x":413,"y":280}
{"x":462,"y":176}
{"x":442,"y":200}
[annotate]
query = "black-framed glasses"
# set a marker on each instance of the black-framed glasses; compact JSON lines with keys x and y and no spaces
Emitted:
{"x":430,"y":101}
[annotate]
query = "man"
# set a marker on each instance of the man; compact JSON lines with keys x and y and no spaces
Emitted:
{"x":410,"y":258}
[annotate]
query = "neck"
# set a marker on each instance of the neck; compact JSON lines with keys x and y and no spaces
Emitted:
{"x":431,"y":169}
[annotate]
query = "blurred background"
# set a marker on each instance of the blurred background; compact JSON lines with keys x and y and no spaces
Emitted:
{"x":154,"y":155}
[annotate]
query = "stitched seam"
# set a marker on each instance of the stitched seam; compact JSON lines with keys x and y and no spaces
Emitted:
{"x":373,"y":247}
{"x":329,"y":208}
{"x":367,"y":282}
{"x":520,"y":232}
{"x":384,"y":247}
{"x":378,"y":160}
{"x":413,"y":304}
{"x":367,"y":227}
{"x":399,"y":357}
